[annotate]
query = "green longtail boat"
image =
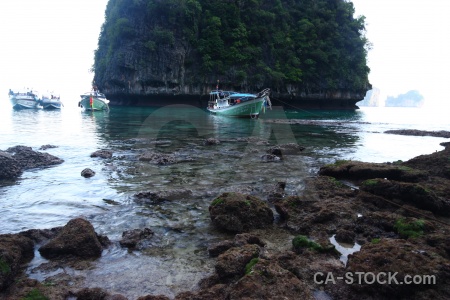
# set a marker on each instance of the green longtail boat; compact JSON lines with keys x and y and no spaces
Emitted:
{"x":240,"y":105}
{"x":93,"y":101}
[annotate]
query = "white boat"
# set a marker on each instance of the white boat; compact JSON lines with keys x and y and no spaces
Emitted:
{"x":25,"y":98}
{"x":93,"y":100}
{"x":51,"y":101}
{"x":234,"y":104}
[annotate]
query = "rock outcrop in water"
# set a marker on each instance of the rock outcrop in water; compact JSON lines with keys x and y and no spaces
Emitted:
{"x":77,"y":238}
{"x":17,"y":159}
{"x":310,"y":53}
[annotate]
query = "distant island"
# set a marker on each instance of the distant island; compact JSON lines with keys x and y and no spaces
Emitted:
{"x":372,"y":98}
{"x":309,"y":53}
{"x":410,"y":99}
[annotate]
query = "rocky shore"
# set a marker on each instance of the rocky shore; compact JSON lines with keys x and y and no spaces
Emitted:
{"x":394,"y":217}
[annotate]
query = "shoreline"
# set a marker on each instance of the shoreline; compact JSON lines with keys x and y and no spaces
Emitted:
{"x":398,"y":210}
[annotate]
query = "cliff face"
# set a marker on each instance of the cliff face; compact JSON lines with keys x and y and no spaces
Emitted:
{"x":371,"y":99}
{"x":310,"y":53}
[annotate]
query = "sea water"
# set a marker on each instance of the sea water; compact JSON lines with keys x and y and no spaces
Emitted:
{"x":50,"y":197}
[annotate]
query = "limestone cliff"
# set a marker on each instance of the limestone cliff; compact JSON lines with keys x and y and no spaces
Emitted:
{"x":154,"y":52}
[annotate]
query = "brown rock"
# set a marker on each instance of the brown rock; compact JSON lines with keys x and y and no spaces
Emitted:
{"x":77,"y":238}
{"x":15,"y":249}
{"x":238,"y":212}
{"x":102,"y":154}
{"x":268,"y":280}
{"x":87,"y":173}
{"x":400,"y":257}
{"x":131,"y":238}
{"x":231,"y":263}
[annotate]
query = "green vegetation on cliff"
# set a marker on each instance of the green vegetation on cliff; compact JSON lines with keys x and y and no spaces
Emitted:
{"x":291,"y":46}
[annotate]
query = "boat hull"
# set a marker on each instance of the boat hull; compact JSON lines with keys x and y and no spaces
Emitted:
{"x":51,"y":104}
{"x":247,"y":109}
{"x":97,"y":103}
{"x":20,"y":102}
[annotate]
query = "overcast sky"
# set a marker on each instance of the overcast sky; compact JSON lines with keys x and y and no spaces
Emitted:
{"x":411,"y":46}
{"x":49,"y":44}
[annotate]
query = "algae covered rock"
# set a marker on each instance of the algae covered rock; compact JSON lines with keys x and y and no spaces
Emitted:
{"x":239,"y":212}
{"x":15,"y":249}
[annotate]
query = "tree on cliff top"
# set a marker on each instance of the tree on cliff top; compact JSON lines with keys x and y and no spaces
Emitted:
{"x":307,"y":45}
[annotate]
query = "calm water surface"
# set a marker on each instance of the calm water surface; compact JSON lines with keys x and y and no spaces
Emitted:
{"x":45,"y":198}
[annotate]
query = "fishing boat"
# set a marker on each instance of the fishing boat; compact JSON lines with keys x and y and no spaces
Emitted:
{"x":25,"y":98}
{"x":93,"y":100}
{"x":234,"y":104}
{"x":51,"y":101}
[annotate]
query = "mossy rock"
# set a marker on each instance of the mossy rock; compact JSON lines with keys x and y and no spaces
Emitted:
{"x":237,"y":212}
{"x":301,"y":242}
{"x":409,"y":229}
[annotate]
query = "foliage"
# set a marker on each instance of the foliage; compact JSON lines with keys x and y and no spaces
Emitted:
{"x":217,"y":201}
{"x":370,"y":182}
{"x":314,"y":45}
{"x":409,"y":229}
{"x":35,"y":294}
{"x":249,"y":266}
{"x":4,"y":267}
{"x":301,"y":241}
{"x":375,"y":241}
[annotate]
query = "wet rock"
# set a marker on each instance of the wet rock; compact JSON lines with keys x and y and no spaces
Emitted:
{"x":29,"y":159}
{"x":231,"y":263}
{"x":48,"y":146}
{"x":267,"y":280}
{"x":9,"y":167}
{"x":158,"y":158}
{"x":441,"y":242}
{"x":415,"y":132}
{"x":276,"y":192}
{"x":15,"y":250}
{"x":97,"y":294}
{"x":131,"y":238}
{"x":102,"y":154}
{"x":309,"y":262}
{"x":242,"y":239}
{"x":77,"y":238}
{"x":437,"y":164}
{"x":153,"y":297}
{"x":160,"y":196}
{"x":211,"y":142}
{"x":239,"y":212}
{"x":415,"y":194}
{"x":400,"y":257}
{"x":92,"y":294}
{"x":361,"y":171}
{"x":218,"y":248}
{"x":345,"y":236}
{"x":270,"y":158}
{"x":286,"y":149}
{"x":87,"y":173}
{"x":216,"y":292}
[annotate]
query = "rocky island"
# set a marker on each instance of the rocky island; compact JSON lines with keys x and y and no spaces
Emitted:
{"x":311,"y":54}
